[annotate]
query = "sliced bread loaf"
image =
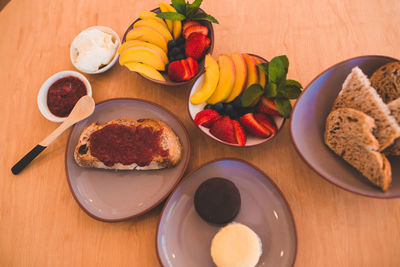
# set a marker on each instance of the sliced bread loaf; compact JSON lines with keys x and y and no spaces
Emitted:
{"x":386,"y":81}
{"x":357,"y":93}
{"x":348,"y":133}
{"x":394,"y":107}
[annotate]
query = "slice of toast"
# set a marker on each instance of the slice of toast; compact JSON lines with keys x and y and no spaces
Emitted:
{"x":348,"y":133}
{"x":386,"y":81}
{"x":357,"y":93}
{"x":394,"y":107}
{"x":168,"y":142}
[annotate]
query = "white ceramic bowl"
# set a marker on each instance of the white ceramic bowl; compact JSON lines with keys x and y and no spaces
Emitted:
{"x":42,"y":96}
{"x":73,"y":55}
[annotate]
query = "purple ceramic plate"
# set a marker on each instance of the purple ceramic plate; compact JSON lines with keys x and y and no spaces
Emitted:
{"x":109,"y":195}
{"x":184,"y":238}
{"x":251,"y":140}
{"x":308,"y":126}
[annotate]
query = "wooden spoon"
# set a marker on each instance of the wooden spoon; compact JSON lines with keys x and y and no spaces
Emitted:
{"x":82,"y":109}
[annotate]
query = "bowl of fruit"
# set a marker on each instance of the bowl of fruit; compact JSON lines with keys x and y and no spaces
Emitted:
{"x":167,"y":45}
{"x":242,"y":99}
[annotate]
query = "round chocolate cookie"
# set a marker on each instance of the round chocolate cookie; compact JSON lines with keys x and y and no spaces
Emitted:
{"x":217,"y":200}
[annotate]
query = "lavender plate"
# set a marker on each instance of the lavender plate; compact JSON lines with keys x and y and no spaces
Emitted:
{"x":184,"y":238}
{"x":108,"y":195}
{"x":308,"y":125}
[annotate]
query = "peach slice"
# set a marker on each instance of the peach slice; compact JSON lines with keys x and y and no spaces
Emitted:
{"x":143,"y":55}
{"x":148,"y":35}
{"x":261,"y":75}
{"x":152,"y":15}
{"x":132,"y":43}
{"x":152,"y":24}
{"x":146,"y":70}
{"x":241,"y":76}
{"x":164,"y":7}
{"x":252,"y":72}
{"x":226,"y":80}
{"x":210,"y":84}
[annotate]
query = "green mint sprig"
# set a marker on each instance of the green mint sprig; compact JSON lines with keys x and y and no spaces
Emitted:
{"x":278,"y":87}
{"x":187,"y":11}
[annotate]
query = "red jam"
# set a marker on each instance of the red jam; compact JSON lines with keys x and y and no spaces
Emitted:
{"x":118,"y":143}
{"x":63,"y":95}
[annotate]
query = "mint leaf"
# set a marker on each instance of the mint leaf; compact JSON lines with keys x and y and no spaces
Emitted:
{"x":204,"y":16}
{"x":263,"y":67}
{"x":251,"y":94}
{"x":294,"y":83}
{"x":270,"y":90}
{"x":179,"y":5}
{"x":284,"y":107}
{"x":285,"y":62}
{"x":171,"y":16}
{"x":196,"y":4}
{"x":276,"y":70}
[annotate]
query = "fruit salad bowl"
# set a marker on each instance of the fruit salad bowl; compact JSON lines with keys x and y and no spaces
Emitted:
{"x":251,"y":125}
{"x":164,"y":50}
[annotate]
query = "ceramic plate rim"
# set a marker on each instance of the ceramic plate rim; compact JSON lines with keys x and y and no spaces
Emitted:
{"x":163,"y":197}
{"x":241,"y":161}
{"x":362,"y":193}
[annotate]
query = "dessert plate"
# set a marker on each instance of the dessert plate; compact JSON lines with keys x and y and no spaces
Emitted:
{"x":308,"y":126}
{"x":110,"y":195}
{"x":184,"y":238}
{"x":251,"y":139}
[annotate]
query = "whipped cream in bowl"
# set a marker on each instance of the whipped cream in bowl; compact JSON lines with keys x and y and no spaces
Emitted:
{"x":94,"y":50}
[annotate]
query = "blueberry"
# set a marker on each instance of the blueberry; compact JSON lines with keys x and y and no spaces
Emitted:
{"x":237,"y":102}
{"x":228,"y":109}
{"x":175,"y":51}
{"x":171,"y":44}
{"x":180,"y":41}
{"x":209,"y":106}
{"x":180,"y":56}
{"x":219,"y":107}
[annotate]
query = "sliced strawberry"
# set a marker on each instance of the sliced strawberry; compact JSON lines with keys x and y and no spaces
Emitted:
{"x":268,"y":106}
{"x":206,"y":117}
{"x":253,"y":127}
{"x":187,"y":68}
{"x":223,"y":129}
{"x":266,"y":121}
{"x":178,"y":72}
{"x":239,"y":132}
{"x":196,"y":46}
{"x":193,"y":65}
{"x":195,"y":28}
{"x":189,"y":23}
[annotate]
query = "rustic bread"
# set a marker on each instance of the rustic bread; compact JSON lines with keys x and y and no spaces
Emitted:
{"x":348,"y":133}
{"x":394,"y":107}
{"x":168,"y":141}
{"x":358,"y":94}
{"x":386,"y":81}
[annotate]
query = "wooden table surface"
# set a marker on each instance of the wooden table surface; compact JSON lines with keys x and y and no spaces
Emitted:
{"x":40,"y":222}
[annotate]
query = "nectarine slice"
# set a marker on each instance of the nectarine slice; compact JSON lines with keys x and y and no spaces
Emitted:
{"x":143,"y":55}
{"x":226,"y":80}
{"x":146,"y":70}
{"x":261,"y":75}
{"x":132,"y":43}
{"x":252,"y":72}
{"x":152,"y":24}
{"x":152,"y":15}
{"x":211,"y":78}
{"x":148,"y":35}
{"x":241,"y":76}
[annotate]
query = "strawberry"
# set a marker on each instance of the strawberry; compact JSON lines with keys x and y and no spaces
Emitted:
{"x":177,"y":71}
{"x":193,"y":65}
{"x":188,"y":24}
{"x":268,"y":106}
{"x":223,"y":129}
{"x":206,"y":117}
{"x":239,"y":132}
{"x":196,"y":46}
{"x":253,"y":127}
{"x":266,"y":121}
{"x":195,"y":28}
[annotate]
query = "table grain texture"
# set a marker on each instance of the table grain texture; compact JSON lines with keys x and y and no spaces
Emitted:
{"x":40,"y":222}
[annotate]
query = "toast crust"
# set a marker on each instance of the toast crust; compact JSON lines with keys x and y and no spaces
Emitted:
{"x":169,"y":141}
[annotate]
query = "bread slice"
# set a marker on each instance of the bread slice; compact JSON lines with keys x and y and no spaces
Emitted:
{"x":386,"y":81}
{"x":394,"y":107}
{"x":168,"y":141}
{"x":357,"y":93}
{"x":348,"y":133}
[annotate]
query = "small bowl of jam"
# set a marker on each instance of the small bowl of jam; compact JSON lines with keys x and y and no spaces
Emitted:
{"x":59,"y":94}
